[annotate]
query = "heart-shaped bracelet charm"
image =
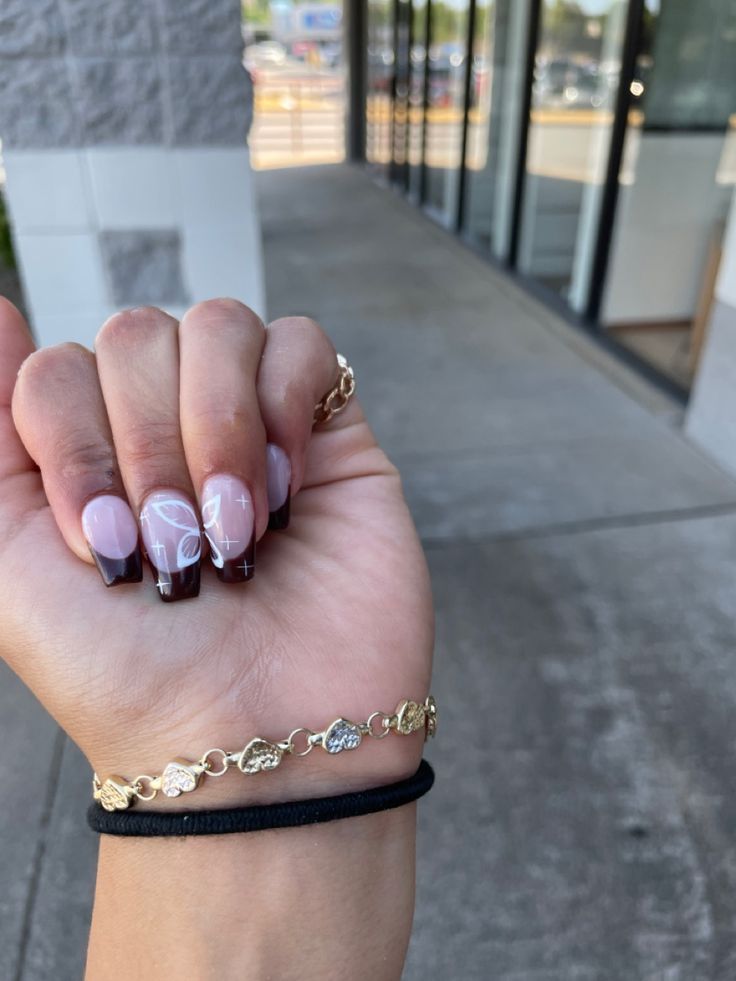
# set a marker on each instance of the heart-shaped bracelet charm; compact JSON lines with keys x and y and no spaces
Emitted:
{"x":410,"y":717}
{"x":178,"y":778}
{"x":114,"y":794}
{"x":260,"y":755}
{"x":342,"y":735}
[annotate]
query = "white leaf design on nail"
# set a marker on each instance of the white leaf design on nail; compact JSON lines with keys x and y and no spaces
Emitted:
{"x":211,"y":510}
{"x":188,"y":550}
{"x":218,"y":560}
{"x":177,"y":513}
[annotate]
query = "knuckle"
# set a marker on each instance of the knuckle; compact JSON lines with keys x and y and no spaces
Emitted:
{"x":297,"y":324}
{"x":80,"y":453}
{"x":58,"y":362}
{"x":151,"y":445}
{"x":221,"y":312}
{"x":217,"y":419}
{"x":307,"y":336}
{"x":128,"y":326}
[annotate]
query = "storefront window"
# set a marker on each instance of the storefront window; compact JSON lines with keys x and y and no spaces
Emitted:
{"x":496,"y":96}
{"x":675,"y":185}
{"x":637,"y":259}
{"x":446,"y":64}
{"x":577,"y":66}
{"x":480,"y":152}
{"x":418,"y":54}
{"x":402,"y":48}
{"x":380,"y":84}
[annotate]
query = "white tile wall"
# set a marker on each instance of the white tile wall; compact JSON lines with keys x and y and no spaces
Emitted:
{"x":57,"y":328}
{"x":60,"y":200}
{"x":48,"y":191}
{"x":214,"y":183}
{"x":231,"y":269}
{"x":219,"y":225}
{"x":133,"y":187}
{"x":62,"y":273}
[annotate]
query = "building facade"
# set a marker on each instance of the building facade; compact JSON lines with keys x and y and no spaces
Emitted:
{"x":589,"y":147}
{"x":128,"y":181}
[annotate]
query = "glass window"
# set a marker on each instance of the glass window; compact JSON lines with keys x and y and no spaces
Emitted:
{"x":480,"y":152}
{"x":446,"y":65}
{"x":401,"y":92}
{"x":675,"y":184}
{"x":576,"y":77}
{"x":496,"y":96}
{"x":380,"y":83}
{"x":420,"y":27}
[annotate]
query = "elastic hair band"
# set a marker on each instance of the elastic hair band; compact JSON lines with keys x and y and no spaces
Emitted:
{"x":263,"y":817}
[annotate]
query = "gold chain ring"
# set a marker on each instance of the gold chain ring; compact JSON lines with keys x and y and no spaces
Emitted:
{"x":338,"y":396}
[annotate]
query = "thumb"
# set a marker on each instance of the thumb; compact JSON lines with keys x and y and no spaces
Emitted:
{"x":16,"y":344}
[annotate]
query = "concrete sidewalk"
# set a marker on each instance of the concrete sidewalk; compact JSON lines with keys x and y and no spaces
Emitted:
{"x":583,"y":558}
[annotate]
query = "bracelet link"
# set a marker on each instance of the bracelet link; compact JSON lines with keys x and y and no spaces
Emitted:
{"x":181,"y":776}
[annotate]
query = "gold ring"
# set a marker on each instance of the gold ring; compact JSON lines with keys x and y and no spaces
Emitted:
{"x":338,"y":396}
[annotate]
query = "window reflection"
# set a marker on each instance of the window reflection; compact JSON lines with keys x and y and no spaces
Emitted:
{"x":415,"y":139}
{"x":446,"y":66}
{"x":576,"y":75}
{"x":380,"y":80}
{"x":675,"y":185}
{"x":479,"y":155}
{"x":496,"y":98}
{"x":402,"y":45}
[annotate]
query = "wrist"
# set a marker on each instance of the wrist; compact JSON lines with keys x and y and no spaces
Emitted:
{"x":268,"y":895}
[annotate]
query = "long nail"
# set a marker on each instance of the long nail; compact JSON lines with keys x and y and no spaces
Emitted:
{"x":173,"y":542}
{"x":278,"y":487}
{"x":229,"y":524}
{"x":112,"y":535}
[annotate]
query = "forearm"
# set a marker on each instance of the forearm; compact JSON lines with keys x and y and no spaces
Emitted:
{"x":327,"y":901}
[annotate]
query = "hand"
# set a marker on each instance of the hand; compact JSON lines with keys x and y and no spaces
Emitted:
{"x":336,"y":621}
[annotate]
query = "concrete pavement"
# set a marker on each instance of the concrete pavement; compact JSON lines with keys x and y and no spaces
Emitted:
{"x":583,"y":558}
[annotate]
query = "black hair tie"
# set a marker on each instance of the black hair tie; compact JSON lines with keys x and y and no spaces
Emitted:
{"x":263,"y":817}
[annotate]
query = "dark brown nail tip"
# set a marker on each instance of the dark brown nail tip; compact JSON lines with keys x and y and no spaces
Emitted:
{"x":278,"y":520}
{"x":114,"y":572}
{"x":241,"y":569}
{"x":174,"y":586}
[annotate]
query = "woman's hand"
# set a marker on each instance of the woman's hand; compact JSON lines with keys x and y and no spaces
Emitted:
{"x":337,"y":619}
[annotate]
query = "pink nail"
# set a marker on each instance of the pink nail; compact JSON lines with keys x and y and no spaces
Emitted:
{"x":112,"y":535}
{"x":229,"y":524}
{"x":170,"y":529}
{"x":278,"y":484}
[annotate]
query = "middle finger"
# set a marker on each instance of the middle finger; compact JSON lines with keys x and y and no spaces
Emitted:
{"x":138,"y":364}
{"x":221,"y":343}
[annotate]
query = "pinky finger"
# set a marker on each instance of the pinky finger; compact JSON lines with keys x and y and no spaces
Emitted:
{"x":298,"y":366}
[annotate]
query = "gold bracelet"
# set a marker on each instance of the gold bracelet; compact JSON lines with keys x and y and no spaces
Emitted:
{"x":182,"y":776}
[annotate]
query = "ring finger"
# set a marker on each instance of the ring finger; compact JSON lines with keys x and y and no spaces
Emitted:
{"x":221,"y":342}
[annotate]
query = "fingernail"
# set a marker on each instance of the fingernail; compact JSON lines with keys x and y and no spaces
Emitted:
{"x":112,"y":535}
{"x":278,"y":487}
{"x":170,"y":529}
{"x":228,"y":519}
